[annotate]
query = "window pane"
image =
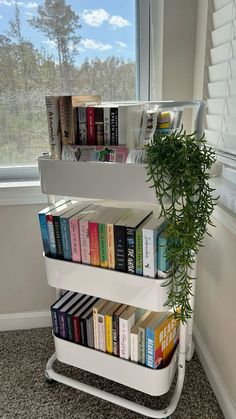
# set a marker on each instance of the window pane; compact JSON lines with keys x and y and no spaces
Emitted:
{"x":59,"y":47}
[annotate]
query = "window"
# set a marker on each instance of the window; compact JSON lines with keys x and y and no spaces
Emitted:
{"x":58,"y":47}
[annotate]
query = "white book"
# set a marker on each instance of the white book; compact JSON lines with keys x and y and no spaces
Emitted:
{"x":150,"y":233}
{"x":107,"y":130}
{"x":134,"y":337}
{"x":96,"y":308}
{"x":126,"y":322}
{"x":53,"y":117}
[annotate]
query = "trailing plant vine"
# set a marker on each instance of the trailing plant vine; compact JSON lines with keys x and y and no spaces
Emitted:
{"x":178,"y":167}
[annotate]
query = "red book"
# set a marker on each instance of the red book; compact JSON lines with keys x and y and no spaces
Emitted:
{"x":90,"y":125}
{"x":94,"y":243}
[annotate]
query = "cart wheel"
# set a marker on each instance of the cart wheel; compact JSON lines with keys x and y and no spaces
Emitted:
{"x":48,"y":379}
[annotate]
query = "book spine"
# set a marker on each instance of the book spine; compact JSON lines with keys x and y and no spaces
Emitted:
{"x":109,"y":334}
{"x":95,"y":328}
{"x":55,"y":323}
{"x":139,"y":252}
{"x":124,"y":336}
{"x":149,"y":348}
{"x":70,"y":327}
{"x":163,"y":263}
{"x":62,"y":325}
{"x":99,"y":126}
{"x":53,"y":118}
{"x":114,"y":126}
{"x":51,"y":235}
{"x":134,"y":347}
{"x":65,"y":236}
{"x":90,"y":334}
{"x":76,"y":329}
{"x":82,"y":125}
{"x":106,"y":119}
{"x":149,"y":253}
{"x":130,"y":249}
{"x":75,"y":125}
{"x":66,"y":117}
{"x":141,"y":345}
{"x":103,"y":245}
{"x":101,"y":333}
{"x":120,"y":248}
{"x":115,"y":335}
{"x":94,"y":243}
{"x":90,"y":125}
{"x":44,"y":233}
{"x":75,"y":240}
{"x":111,"y":246}
{"x":84,"y":240}
{"x":83,"y":332}
{"x":58,"y":236}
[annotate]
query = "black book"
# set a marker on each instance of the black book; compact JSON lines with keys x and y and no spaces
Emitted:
{"x":115,"y":329}
{"x":83,"y":316}
{"x":114,"y":126}
{"x":99,"y":125}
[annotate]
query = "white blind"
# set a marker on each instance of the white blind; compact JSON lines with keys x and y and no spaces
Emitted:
{"x":221,"y":117}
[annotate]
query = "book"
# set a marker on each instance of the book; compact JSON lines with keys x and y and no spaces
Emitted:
{"x":83,"y":317}
{"x":76,"y":152}
{"x":55,"y":308}
{"x":90,"y":331}
{"x":151,"y":231}
{"x":66,"y":118}
{"x":120,"y":235}
{"x":150,"y":338}
{"x":126,"y":322}
{"x":53,"y":118}
{"x":54,"y":217}
{"x":63,"y":329}
{"x":163,"y":262}
{"x":84,"y":233}
{"x":69,"y":318}
{"x":115,"y":329}
{"x":106,"y":122}
{"x":102,"y":325}
{"x":50,"y":227}
{"x":163,"y":342}
{"x":125,"y":123}
{"x":134,"y":337}
{"x":76,"y":317}
{"x":99,"y":125}
{"x":91,"y":139}
{"x":114,"y":126}
{"x":82,"y":125}
{"x":109,"y":320}
{"x":131,"y":227}
{"x":139,"y":249}
{"x":65,"y":228}
{"x":93,"y":231}
{"x":142,"y":338}
{"x":43,"y":225}
{"x":96,"y":308}
{"x":75,"y":232}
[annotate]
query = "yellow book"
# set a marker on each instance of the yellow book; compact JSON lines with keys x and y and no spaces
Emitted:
{"x":109,"y":318}
{"x":165,"y":340}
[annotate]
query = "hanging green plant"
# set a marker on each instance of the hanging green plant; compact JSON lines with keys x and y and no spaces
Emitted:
{"x":178,"y":167}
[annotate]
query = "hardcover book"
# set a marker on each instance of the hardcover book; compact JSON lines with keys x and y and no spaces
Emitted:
{"x":43,"y":224}
{"x":109,"y":322}
{"x":69,"y":318}
{"x":82,"y":125}
{"x":126,"y":322}
{"x":134,"y":337}
{"x":102,"y":325}
{"x":66,"y":118}
{"x":93,"y":229}
{"x":76,"y":317}
{"x":63,"y":329}
{"x":163,"y":262}
{"x":53,"y":118}
{"x":142,"y":338}
{"x":90,"y":125}
{"x":115,"y":329}
{"x":56,"y":307}
{"x":99,"y":125}
{"x":150,"y":338}
{"x":125,"y":123}
{"x":106,"y":122}
{"x":151,"y":231}
{"x":96,"y":308}
{"x":84,"y":234}
{"x":83,"y":321}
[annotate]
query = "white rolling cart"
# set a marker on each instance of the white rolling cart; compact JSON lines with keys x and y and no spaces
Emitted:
{"x":123,"y":182}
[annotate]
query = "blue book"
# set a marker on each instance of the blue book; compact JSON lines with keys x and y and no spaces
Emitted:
{"x":163,"y":262}
{"x":56,"y":307}
{"x":65,"y":228}
{"x":150,"y":338}
{"x":43,"y":225}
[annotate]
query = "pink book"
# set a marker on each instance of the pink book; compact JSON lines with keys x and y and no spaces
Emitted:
{"x":94,"y":243}
{"x":90,"y":125}
{"x":84,"y":235}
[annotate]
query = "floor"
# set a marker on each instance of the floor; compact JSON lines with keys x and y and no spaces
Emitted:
{"x":24,"y":393}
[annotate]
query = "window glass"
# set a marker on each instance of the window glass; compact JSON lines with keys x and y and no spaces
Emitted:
{"x":59,"y":47}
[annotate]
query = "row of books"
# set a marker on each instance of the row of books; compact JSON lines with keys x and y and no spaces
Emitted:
{"x":83,"y":120}
{"x":145,"y":337}
{"x":125,"y":239}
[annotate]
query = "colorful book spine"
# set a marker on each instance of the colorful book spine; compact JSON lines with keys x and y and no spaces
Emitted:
{"x":90,"y":125}
{"x":109,"y":343}
{"x":53,"y":118}
{"x":111,"y":246}
{"x":99,"y":125}
{"x":65,"y":236}
{"x":115,"y":335}
{"x":82,"y":125}
{"x":139,"y":252}
{"x":58,"y":236}
{"x":74,"y":227}
{"x":149,"y":342}
{"x":84,"y":240}
{"x":44,"y":233}
{"x":76,"y":329}
{"x":102,"y":229}
{"x":51,"y":236}
{"x":165,"y":341}
{"x":163,"y":262}
{"x":130,"y":250}
{"x":106,"y":119}
{"x":66,"y":118}
{"x":120,"y":247}
{"x":94,"y":243}
{"x":114,"y":126}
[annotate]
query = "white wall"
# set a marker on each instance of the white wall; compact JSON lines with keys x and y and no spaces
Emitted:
{"x":22,"y":276}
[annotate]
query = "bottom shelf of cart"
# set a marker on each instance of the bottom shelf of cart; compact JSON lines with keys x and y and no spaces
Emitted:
{"x":138,"y":377}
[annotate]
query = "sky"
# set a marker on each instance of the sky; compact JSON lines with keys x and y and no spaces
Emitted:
{"x":108,"y":27}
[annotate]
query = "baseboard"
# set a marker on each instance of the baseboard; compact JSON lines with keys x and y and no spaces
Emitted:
{"x":215,"y":379}
{"x":28,"y":320}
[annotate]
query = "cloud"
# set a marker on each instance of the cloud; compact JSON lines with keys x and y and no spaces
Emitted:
{"x":118,"y":22}
{"x":1,"y":17}
{"x":51,"y":44}
{"x":93,"y":44}
{"x":95,"y":17}
{"x":121,"y":44}
{"x":10,"y":3}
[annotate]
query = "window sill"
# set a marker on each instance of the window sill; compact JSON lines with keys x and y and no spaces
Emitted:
{"x":21,"y":193}
{"x":225,"y":211}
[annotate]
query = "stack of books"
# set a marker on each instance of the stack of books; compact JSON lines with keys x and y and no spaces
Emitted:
{"x":145,"y":337}
{"x":125,"y":239}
